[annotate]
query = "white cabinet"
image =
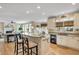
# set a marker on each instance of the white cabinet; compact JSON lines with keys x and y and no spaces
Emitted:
{"x":68,"y":41}
{"x":44,"y":46}
{"x":62,"y":40}
{"x":59,"y":40}
{"x":75,"y":42}
{"x":51,"y":24}
{"x":65,"y":41}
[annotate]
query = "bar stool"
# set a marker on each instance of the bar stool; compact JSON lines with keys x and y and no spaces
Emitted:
{"x":19,"y":44}
{"x":29,"y":46}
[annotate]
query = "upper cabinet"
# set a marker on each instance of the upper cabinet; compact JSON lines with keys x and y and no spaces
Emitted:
{"x":69,"y":23}
{"x":51,"y":24}
{"x":43,"y":24}
{"x":63,"y":22}
{"x":59,"y":24}
{"x":76,"y":23}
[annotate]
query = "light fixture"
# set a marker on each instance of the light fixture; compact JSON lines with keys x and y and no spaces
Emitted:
{"x":73,"y":3}
{"x":38,"y":7}
{"x":27,"y":12}
{"x":0,"y":6}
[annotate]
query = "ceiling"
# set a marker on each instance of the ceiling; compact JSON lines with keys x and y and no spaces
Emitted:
{"x":24,"y":12}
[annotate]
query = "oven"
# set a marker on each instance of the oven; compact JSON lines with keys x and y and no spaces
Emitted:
{"x":52,"y":38}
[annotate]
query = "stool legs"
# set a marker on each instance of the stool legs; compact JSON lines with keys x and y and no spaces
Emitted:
{"x":36,"y":50}
{"x":17,"y":50}
{"x":23,"y":48}
{"x":31,"y":51}
{"x":27,"y":51}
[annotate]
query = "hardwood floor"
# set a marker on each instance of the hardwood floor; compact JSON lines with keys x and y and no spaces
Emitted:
{"x":59,"y":50}
{"x":1,"y":48}
{"x":8,"y":49}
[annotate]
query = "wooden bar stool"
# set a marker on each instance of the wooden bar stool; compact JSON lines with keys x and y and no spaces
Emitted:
{"x":29,"y":46}
{"x":19,"y":44}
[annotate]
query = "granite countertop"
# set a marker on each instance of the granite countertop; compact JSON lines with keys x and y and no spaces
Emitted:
{"x":65,"y":33}
{"x":32,"y":35}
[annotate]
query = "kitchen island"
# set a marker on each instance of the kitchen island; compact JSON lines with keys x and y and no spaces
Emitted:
{"x":41,"y":41}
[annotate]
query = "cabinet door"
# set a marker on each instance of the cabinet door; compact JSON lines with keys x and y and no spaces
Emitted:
{"x":51,"y":25}
{"x":73,"y":42}
{"x":59,"y":40}
{"x":59,"y":24}
{"x":70,"y":42}
{"x":69,"y":23}
{"x":65,"y":40}
{"x":44,"y":46}
{"x":76,"y":43}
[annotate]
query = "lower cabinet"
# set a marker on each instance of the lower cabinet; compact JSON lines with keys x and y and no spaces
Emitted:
{"x":75,"y":42}
{"x":68,"y":41}
{"x":44,"y":46}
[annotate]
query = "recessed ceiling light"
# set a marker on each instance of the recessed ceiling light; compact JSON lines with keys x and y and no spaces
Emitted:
{"x":0,"y":6}
{"x":73,"y":3}
{"x":38,"y":7}
{"x":27,"y":12}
